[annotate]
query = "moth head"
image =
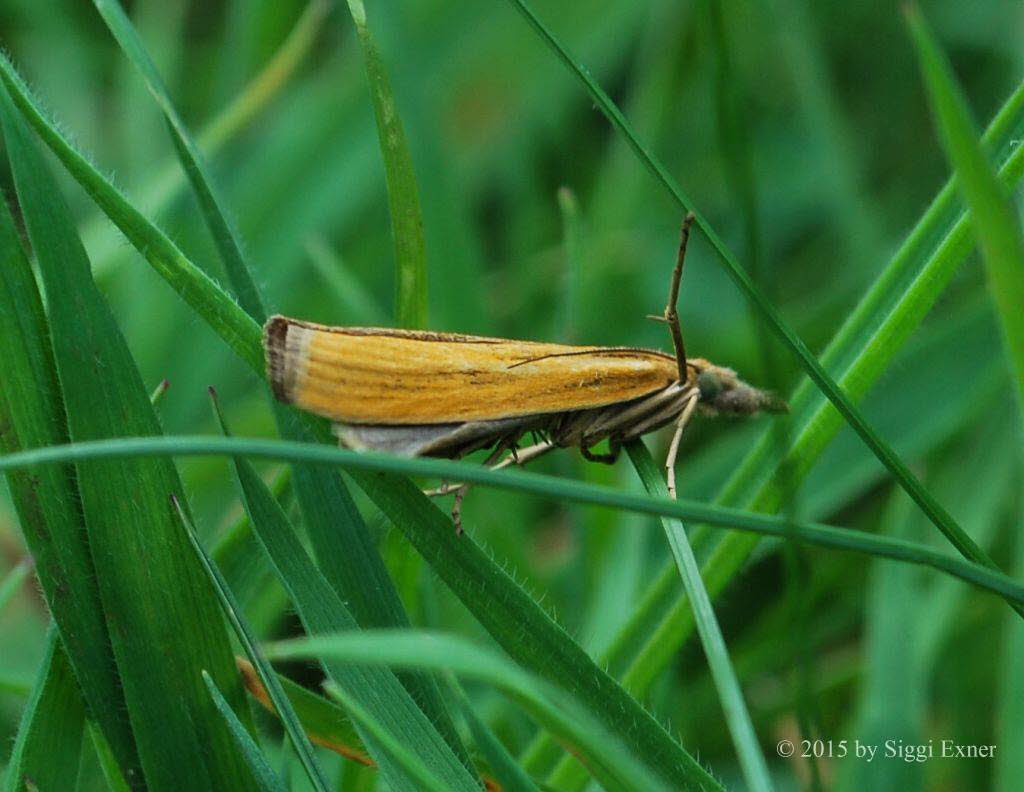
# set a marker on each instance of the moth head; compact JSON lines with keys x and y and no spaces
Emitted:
{"x":721,"y":391}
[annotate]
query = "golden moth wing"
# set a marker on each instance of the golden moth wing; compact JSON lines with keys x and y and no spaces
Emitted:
{"x":380,"y":376}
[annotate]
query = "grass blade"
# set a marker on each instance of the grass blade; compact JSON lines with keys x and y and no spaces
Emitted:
{"x":403,"y":195}
{"x":224,"y":235}
{"x":13,"y":580}
{"x":48,"y":745}
{"x":323,"y":721}
{"x":266,"y":779}
{"x":863,"y":347}
{"x":176,"y":726}
{"x":321,"y":610}
{"x":936,"y":513}
{"x":222,"y":313}
{"x":509,"y":774}
{"x":755,"y":771}
{"x":994,"y":217}
{"x":167,"y":179}
{"x":615,"y":766}
{"x":365,"y":467}
{"x":407,"y":760}
{"x":340,"y":538}
{"x":281,"y":703}
{"x":47,"y":501}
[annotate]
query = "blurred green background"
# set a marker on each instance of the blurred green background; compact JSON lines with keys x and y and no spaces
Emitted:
{"x":800,"y":130}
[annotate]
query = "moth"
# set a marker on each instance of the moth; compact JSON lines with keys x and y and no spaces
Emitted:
{"x":418,"y":393}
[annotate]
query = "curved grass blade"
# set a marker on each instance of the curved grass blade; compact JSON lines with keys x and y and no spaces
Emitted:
{"x":266,"y":778}
{"x":323,"y":721}
{"x":224,"y":235}
{"x":48,"y":746}
{"x":610,"y":760}
{"x":292,"y":727}
{"x":47,"y":501}
{"x":511,"y":776}
{"x":106,"y":760}
{"x":755,"y":770}
{"x":321,"y":610}
{"x":13,"y":580}
{"x":407,"y":760}
{"x":936,"y":513}
{"x":219,"y":310}
{"x":866,"y":343}
{"x":175,"y":724}
{"x":167,"y":178}
{"x":403,"y":195}
{"x":995,"y":220}
{"x":372,"y":465}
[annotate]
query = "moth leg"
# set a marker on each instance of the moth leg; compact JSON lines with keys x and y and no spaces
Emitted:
{"x":671,"y":314}
{"x":462,"y":489}
{"x":673,"y":448}
{"x":515,"y":457}
{"x":523,"y":455}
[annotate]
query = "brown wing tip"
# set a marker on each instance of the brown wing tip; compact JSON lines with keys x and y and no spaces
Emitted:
{"x":275,"y":338}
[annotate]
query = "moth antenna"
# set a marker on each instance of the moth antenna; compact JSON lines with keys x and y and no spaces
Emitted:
{"x":671,"y":315}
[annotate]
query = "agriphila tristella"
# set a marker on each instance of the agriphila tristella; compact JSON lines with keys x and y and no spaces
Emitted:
{"x":416,"y":393}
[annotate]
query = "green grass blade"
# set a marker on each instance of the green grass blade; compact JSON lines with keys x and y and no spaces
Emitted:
{"x":48,"y":745}
{"x":266,"y":778}
{"x":210,"y":301}
{"x":106,"y":760}
{"x":326,"y":503}
{"x":292,"y":726}
{"x":167,"y":179}
{"x":403,"y":194}
{"x":509,"y":614}
{"x":407,"y":760}
{"x":995,"y":219}
{"x":755,"y":770}
{"x":508,"y":773}
{"x":47,"y":501}
{"x":13,"y":580}
{"x":340,"y":538}
{"x":176,"y":727}
{"x":611,"y":762}
{"x":321,"y":610}
{"x":936,"y":513}
{"x":324,"y":721}
{"x":366,"y":467}
{"x":224,"y":235}
{"x":1010,"y":719}
{"x":864,"y":346}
